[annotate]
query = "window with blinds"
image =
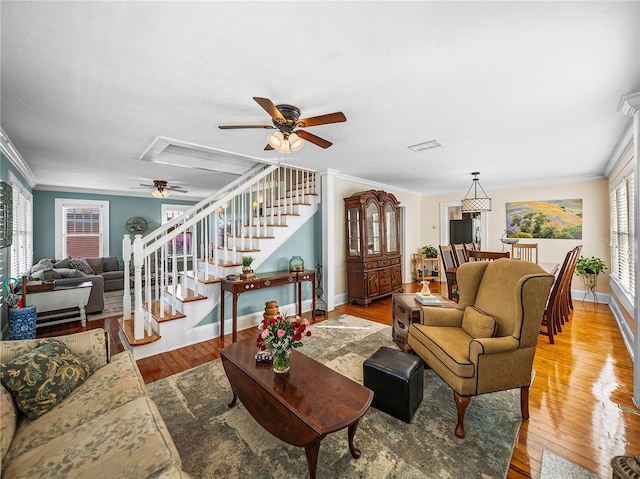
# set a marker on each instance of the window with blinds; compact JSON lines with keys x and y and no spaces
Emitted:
{"x":82,"y":228}
{"x":623,"y":234}
{"x":82,"y":237}
{"x":22,"y":245}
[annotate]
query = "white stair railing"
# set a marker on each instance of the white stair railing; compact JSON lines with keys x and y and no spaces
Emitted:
{"x":222,"y":228}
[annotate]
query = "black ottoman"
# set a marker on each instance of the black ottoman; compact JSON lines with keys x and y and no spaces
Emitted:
{"x":397,"y":381}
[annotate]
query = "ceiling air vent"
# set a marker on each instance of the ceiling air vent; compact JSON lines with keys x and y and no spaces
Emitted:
{"x":427,"y":145}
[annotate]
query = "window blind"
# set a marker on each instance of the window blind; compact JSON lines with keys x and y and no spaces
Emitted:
{"x":623,"y":235}
{"x":22,"y":246}
{"x":82,"y":235}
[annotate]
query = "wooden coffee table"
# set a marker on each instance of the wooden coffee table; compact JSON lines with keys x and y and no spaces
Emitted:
{"x":299,"y":407}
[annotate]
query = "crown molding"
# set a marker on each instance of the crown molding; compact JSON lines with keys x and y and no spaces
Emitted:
{"x":629,"y":104}
{"x":16,"y":159}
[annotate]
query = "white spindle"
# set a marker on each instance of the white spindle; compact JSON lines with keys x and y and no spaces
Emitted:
{"x":126,"y":297}
{"x":138,"y":321}
{"x":174,"y":276}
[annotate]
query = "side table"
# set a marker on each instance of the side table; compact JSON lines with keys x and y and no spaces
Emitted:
{"x":406,"y":310}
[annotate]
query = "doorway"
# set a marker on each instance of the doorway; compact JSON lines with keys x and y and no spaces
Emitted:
{"x":476,"y":226}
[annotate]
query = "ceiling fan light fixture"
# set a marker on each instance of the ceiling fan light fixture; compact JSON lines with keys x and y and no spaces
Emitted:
{"x":276,"y":140}
{"x":476,"y":203}
{"x":295,"y":142}
{"x":160,"y":193}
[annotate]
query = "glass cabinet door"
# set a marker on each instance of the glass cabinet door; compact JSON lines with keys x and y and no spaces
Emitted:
{"x":391,"y":236}
{"x":353,"y":225}
{"x":373,"y":229}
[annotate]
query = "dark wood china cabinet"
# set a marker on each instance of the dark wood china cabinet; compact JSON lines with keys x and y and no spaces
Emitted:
{"x":374,"y":262}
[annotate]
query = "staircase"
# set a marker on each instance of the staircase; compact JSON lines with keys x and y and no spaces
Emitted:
{"x":176,"y":269}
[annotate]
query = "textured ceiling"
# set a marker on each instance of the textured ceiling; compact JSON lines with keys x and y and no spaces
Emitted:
{"x":524,"y":92}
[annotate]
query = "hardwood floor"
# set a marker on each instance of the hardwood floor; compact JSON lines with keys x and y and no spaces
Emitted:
{"x":581,"y":405}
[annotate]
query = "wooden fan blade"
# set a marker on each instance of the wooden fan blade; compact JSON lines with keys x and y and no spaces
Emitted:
{"x":179,"y":189}
{"x":316,"y":140}
{"x":270,"y":108}
{"x":237,"y":127}
{"x":268,"y":147}
{"x":336,"y":117}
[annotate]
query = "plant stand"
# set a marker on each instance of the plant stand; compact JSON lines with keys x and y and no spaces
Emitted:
{"x":590,"y":287}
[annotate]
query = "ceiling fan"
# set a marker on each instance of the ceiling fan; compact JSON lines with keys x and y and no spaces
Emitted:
{"x":286,"y":119}
{"x":161,"y":188}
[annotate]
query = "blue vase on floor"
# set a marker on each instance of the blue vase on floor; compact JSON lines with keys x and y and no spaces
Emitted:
{"x":22,"y":323}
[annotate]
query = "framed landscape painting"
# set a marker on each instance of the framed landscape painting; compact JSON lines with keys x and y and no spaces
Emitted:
{"x":554,"y":219}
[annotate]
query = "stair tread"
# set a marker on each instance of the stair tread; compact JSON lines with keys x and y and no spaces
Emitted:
{"x":185,"y":294}
{"x":252,"y":237}
{"x":156,"y":304}
{"x":127,"y":328}
{"x":203,"y":279}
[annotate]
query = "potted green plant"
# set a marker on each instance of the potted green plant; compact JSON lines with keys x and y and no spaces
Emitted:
{"x":246,"y":264}
{"x":589,"y":269}
{"x":429,"y":251}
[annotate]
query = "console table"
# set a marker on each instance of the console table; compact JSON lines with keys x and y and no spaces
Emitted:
{"x":60,"y":298}
{"x":261,"y":281}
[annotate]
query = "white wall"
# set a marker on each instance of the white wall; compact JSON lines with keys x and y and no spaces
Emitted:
{"x":595,"y":226}
{"x":422,"y":223}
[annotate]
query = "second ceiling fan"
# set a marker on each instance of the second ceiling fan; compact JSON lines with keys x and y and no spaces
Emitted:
{"x":286,"y":119}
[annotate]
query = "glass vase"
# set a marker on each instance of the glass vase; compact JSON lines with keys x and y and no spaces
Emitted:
{"x":281,"y":361}
{"x":296,"y":264}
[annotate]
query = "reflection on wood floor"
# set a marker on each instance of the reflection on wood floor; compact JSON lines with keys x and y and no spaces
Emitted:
{"x":581,"y":406}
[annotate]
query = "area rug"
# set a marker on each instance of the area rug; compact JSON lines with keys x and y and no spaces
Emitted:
{"x":217,"y":441}
{"x":555,"y":467}
{"x":112,"y":305}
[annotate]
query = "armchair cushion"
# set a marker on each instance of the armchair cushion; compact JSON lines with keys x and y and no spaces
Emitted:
{"x":478,"y":324}
{"x":449,"y":345}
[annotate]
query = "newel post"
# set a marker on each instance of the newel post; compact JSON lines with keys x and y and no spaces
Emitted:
{"x":138,"y":260}
{"x":126,"y":297}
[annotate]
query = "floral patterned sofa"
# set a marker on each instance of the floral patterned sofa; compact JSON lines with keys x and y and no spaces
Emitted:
{"x":106,"y":426}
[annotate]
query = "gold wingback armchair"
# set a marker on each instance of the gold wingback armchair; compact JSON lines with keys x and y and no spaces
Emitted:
{"x":488,"y":342}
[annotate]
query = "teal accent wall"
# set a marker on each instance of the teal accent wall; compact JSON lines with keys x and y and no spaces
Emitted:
{"x":121,"y":208}
{"x":307,"y":243}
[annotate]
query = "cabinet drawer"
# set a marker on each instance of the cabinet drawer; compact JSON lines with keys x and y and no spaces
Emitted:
{"x":406,"y":315}
{"x":279,"y":281}
{"x":371,"y":265}
{"x":251,"y":286}
{"x":384,"y":263}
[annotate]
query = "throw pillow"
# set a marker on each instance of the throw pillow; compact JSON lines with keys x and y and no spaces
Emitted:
{"x":43,"y":377}
{"x":478,"y":324}
{"x":70,"y":273}
{"x":111,"y":264}
{"x":47,"y":274}
{"x":63,"y":263}
{"x":96,"y":265}
{"x":81,"y":265}
{"x":46,"y":262}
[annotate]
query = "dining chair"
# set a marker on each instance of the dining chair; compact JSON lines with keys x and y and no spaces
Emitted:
{"x":450,"y":267}
{"x":460,"y":253}
{"x":487,"y":255}
{"x":468,"y":247}
{"x":566,"y":304}
{"x":552,"y":313}
{"x":525,"y":252}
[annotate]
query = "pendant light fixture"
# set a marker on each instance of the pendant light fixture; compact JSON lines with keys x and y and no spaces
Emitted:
{"x":477,"y":203}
